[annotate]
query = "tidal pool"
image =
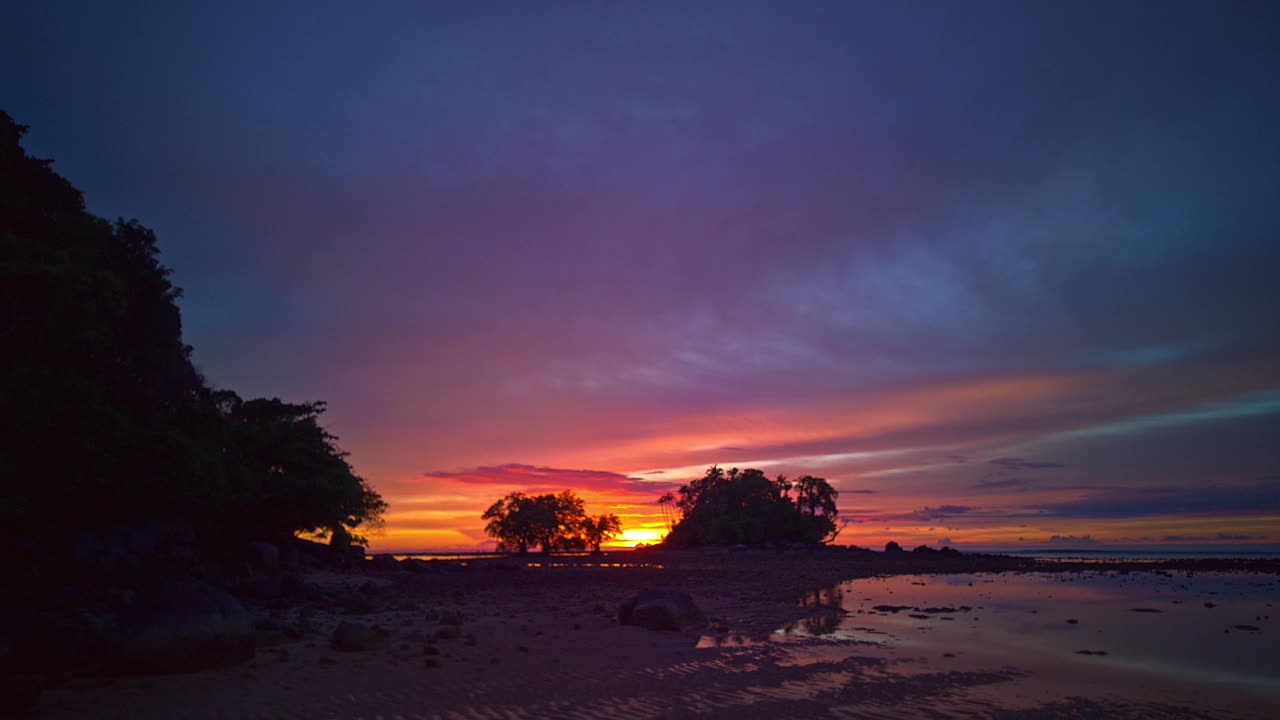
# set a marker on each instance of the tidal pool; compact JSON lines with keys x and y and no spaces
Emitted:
{"x":1206,"y":641}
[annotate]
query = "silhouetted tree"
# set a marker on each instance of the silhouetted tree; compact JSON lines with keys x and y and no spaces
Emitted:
{"x":555,"y":522}
{"x":816,"y":496}
{"x":104,"y":421}
{"x":599,"y":529}
{"x":745,"y":507}
{"x":667,"y":503}
{"x":290,"y":475}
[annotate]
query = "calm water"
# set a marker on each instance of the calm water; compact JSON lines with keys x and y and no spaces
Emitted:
{"x":1207,"y":641}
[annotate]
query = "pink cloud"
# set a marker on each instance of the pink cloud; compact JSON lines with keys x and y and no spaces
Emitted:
{"x":532,"y":478}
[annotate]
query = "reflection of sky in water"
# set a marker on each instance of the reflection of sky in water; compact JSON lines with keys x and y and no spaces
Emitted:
{"x":1022,"y":620}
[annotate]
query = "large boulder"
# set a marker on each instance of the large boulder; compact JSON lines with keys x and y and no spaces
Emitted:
{"x":357,"y":637}
{"x":264,"y":556}
{"x":180,"y":624}
{"x":385,"y":563}
{"x":661,"y":610}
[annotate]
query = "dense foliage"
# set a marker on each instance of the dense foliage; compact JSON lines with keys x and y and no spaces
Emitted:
{"x":555,"y":522}
{"x":746,"y":507}
{"x":106,"y":422}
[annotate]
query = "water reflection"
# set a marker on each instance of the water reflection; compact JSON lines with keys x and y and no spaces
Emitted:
{"x":832,"y":597}
{"x":1170,"y":640}
{"x":1101,"y":629}
{"x":816,"y":626}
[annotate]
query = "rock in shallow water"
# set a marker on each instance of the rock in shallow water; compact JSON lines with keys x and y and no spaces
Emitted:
{"x":661,"y":610}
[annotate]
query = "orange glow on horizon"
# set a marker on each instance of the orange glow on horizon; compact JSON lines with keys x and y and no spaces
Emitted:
{"x":881,"y":447}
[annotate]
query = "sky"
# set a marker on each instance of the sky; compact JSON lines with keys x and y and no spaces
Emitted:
{"x":1005,"y":273}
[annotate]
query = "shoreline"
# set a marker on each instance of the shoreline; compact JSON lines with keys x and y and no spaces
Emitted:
{"x":535,"y":636}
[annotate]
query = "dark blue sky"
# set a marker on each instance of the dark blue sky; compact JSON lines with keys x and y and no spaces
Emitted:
{"x":884,"y":242}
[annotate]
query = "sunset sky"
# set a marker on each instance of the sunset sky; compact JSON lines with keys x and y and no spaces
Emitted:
{"x":1006,"y":274}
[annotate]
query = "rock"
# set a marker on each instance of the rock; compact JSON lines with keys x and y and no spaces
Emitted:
{"x":356,"y":637}
{"x":447,"y":632}
{"x":296,"y":588}
{"x":270,"y":638}
{"x":19,"y":695}
{"x":661,"y":610}
{"x":385,"y":563}
{"x":178,"y":625}
{"x":44,"y":641}
{"x":300,"y":552}
{"x":353,"y":555}
{"x":416,"y":565}
{"x":892,"y":547}
{"x":264,"y":587}
{"x":358,"y":603}
{"x":264,"y":556}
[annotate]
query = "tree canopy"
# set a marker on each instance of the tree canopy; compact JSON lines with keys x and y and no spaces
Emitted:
{"x":106,"y":420}
{"x":553,"y":521}
{"x":746,"y":507}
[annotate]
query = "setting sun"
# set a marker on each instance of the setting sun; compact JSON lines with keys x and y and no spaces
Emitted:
{"x":631,"y":536}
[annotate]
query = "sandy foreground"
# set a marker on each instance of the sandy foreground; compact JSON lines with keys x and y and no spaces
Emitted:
{"x":540,"y":639}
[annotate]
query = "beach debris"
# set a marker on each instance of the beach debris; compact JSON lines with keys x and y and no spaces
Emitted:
{"x":1145,"y":610}
{"x":1210,"y":605}
{"x":1072,"y":621}
{"x":1091,"y":652}
{"x":1249,"y":628}
{"x":358,"y":637}
{"x":661,"y":610}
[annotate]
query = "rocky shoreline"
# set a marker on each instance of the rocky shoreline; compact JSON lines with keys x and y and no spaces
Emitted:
{"x":302,"y":605}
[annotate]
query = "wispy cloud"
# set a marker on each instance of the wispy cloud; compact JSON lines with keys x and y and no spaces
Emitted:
{"x":1003,"y":484}
{"x":1015,"y":463}
{"x":1137,"y":502}
{"x":1246,"y":406}
{"x":1072,"y":540}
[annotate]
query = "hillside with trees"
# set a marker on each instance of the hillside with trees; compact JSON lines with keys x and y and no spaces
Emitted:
{"x":747,"y":508}
{"x":107,"y":424}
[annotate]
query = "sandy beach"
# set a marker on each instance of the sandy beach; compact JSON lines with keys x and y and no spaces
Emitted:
{"x":539,"y":637}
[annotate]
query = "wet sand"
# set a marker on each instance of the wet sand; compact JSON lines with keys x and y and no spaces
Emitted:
{"x":543,"y":641}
